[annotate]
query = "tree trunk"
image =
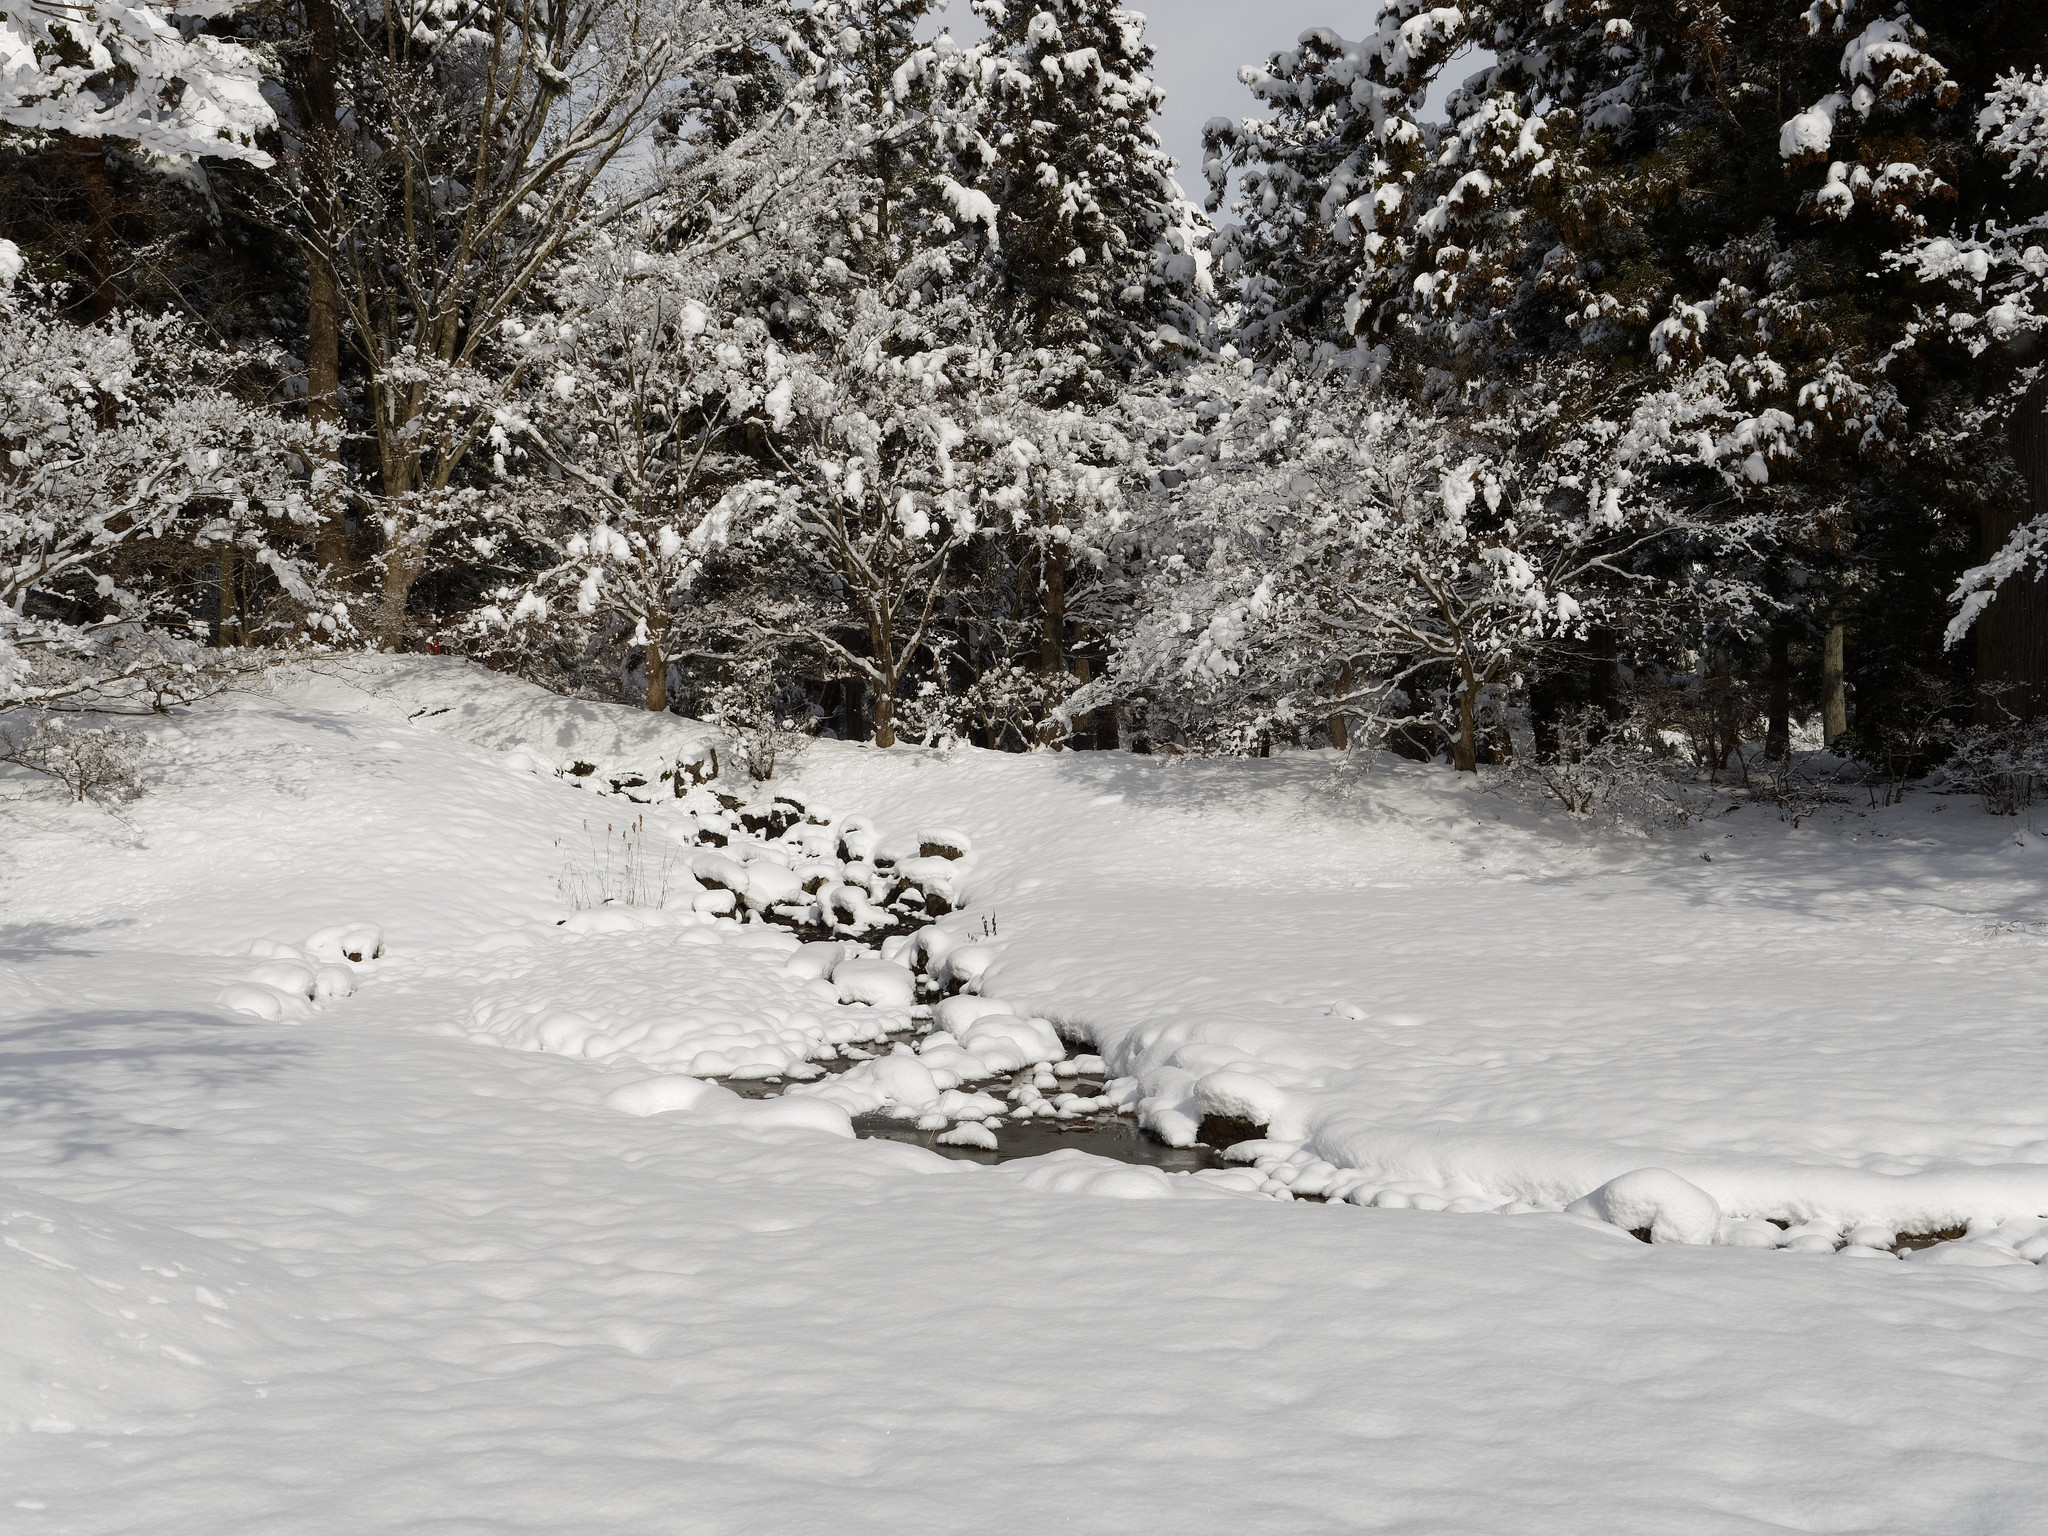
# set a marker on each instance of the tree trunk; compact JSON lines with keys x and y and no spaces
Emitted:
{"x":323,"y":294}
{"x":1834,"y":694}
{"x":1465,"y":749}
{"x":1052,"y":651}
{"x":1778,"y":733}
{"x":885,"y":715}
{"x":1603,"y":679}
{"x":1340,"y":729}
{"x":89,"y":158}
{"x":850,"y":690}
{"x":2012,"y":634}
{"x":1084,"y":729}
{"x":230,"y":597}
{"x":657,"y":679}
{"x":402,"y":568}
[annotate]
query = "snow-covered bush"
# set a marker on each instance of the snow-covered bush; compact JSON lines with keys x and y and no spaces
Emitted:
{"x":634,"y":386}
{"x":101,"y":763}
{"x":768,"y":726}
{"x":143,"y":501}
{"x":2006,"y":763}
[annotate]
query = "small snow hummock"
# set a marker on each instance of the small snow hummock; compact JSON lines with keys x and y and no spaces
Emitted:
{"x":1658,"y":1201}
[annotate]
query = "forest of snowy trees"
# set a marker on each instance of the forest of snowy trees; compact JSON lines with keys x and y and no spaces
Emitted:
{"x":1666,"y":374}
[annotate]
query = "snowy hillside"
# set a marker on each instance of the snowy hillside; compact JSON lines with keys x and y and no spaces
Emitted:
{"x":355,"y":1172}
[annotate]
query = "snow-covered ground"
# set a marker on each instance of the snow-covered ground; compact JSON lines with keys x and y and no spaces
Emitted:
{"x":408,"y":1256}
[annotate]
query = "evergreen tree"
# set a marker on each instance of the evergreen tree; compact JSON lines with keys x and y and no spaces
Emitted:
{"x":1086,"y":248}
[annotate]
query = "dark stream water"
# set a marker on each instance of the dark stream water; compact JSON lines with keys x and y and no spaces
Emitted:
{"x":1104,"y":1133}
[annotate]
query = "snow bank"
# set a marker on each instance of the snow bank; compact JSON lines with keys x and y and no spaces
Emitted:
{"x":712,"y":1104}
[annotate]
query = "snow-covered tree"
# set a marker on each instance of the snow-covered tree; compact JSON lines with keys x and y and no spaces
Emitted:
{"x":1325,"y":554}
{"x":1988,"y":294}
{"x":135,"y":485}
{"x":1084,"y":245}
{"x":1690,"y":197}
{"x":482,"y":144}
{"x":127,"y":70}
{"x":628,"y":422}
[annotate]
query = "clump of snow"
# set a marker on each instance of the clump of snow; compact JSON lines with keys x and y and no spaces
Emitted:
{"x":954,"y":1014}
{"x":354,"y":942}
{"x":879,"y":983}
{"x":1659,"y":1201}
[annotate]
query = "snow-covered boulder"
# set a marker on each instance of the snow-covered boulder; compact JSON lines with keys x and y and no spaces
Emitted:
{"x":720,"y":872}
{"x":1239,"y":1096}
{"x":816,"y":960}
{"x":943,"y":843}
{"x":355,"y":942}
{"x":954,"y":1014}
{"x":1003,"y":1042}
{"x":966,"y":964}
{"x":901,"y":1078}
{"x":1655,"y":1200}
{"x":881,"y":983}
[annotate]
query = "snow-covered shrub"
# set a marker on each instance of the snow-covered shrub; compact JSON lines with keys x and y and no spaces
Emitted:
{"x":1596,"y":766}
{"x":768,"y":727}
{"x":2006,"y":763}
{"x":101,"y":763}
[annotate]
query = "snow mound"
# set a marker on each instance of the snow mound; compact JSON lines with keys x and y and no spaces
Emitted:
{"x":355,"y":942}
{"x":1658,"y":1201}
{"x":1073,"y":1172}
{"x":714,"y":1104}
{"x":878,"y":983}
{"x":709,"y":1000}
{"x":262,"y":1002}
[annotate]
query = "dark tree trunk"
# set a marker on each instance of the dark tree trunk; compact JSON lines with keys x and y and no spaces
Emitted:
{"x":1778,"y":733}
{"x":2012,"y":635}
{"x":1052,"y":650}
{"x":851,"y":726}
{"x":96,"y":187}
{"x":657,"y":679}
{"x":1603,"y":678}
{"x":1340,"y":729}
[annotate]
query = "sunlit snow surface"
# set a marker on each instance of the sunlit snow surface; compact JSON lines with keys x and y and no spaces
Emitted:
{"x":380,"y":1264}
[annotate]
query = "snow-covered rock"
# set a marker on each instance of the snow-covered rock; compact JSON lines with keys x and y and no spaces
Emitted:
{"x":1656,"y":1200}
{"x":881,"y":983}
